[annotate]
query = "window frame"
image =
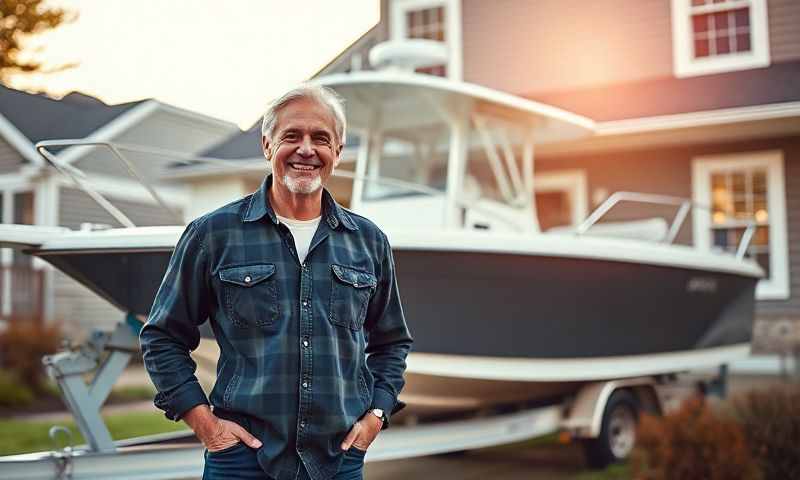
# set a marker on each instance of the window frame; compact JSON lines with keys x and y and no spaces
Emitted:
{"x":684,"y":63}
{"x":572,"y":182}
{"x":777,"y":286}
{"x":452,"y":36}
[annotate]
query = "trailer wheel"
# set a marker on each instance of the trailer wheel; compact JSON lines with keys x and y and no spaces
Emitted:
{"x":618,"y":432}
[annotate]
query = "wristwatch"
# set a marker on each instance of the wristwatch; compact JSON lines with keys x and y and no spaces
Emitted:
{"x":378,"y":413}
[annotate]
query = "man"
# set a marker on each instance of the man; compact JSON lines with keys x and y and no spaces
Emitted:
{"x":303,"y":301}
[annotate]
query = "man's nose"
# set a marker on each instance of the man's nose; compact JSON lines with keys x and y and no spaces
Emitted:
{"x":306,"y":148}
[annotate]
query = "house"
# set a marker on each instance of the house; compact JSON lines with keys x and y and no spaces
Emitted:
{"x":35,"y":194}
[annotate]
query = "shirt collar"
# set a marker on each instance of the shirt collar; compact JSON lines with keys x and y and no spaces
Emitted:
{"x":258,"y":206}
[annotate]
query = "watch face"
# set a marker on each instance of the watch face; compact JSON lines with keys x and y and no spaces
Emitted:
{"x":377,"y":412}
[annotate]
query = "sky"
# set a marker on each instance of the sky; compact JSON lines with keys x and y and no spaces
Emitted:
{"x":224,"y":58}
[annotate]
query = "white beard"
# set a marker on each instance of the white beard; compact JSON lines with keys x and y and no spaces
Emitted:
{"x":302,"y":186}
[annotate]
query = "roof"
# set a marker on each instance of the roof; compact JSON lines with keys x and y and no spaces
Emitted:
{"x":778,"y":83}
{"x":245,"y":144}
{"x":39,"y":117}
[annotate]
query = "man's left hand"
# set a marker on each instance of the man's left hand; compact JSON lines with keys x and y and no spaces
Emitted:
{"x":363,"y":432}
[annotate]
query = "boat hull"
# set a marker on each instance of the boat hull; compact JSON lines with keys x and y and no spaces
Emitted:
{"x":508,"y":304}
{"x":531,"y":306}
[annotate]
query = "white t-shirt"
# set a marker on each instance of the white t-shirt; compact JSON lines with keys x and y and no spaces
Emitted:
{"x":303,"y":232}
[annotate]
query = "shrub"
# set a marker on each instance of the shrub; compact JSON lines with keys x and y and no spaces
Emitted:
{"x":12,"y":392}
{"x":23,"y":344}
{"x":771,"y":422}
{"x":692,"y":443}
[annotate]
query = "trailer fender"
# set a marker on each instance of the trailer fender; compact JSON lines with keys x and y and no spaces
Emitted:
{"x":585,"y":416}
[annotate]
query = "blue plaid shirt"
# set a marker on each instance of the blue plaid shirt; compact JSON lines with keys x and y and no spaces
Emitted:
{"x":305,"y":349}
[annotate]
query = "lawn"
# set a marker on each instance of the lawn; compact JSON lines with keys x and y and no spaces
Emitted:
{"x":19,"y":436}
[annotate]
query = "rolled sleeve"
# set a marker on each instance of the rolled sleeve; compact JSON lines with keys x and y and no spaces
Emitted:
{"x":172,"y":328}
{"x":389,"y":340}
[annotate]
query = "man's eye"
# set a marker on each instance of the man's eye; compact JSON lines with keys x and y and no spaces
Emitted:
{"x":290,"y":137}
{"x":322,"y":140}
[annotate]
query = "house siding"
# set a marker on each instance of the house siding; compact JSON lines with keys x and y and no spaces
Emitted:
{"x":162,"y":129}
{"x":525,"y":47}
{"x":784,"y":36}
{"x":668,"y":172}
{"x":76,"y":207}
{"x":10,"y":158}
{"x":522,"y":46}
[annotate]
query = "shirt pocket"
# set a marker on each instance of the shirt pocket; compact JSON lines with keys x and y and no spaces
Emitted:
{"x":351,"y":290}
{"x":251,"y":294}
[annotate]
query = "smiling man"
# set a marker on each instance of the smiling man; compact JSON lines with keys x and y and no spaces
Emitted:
{"x":302,"y":297}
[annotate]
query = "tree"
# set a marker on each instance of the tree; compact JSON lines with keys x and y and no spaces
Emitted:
{"x":20,"y":19}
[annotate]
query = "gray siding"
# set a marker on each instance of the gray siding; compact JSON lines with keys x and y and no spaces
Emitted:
{"x":164,"y":130}
{"x":784,"y":33}
{"x":76,"y":207}
{"x":10,"y":158}
{"x":523,"y":46}
{"x":668,"y":171}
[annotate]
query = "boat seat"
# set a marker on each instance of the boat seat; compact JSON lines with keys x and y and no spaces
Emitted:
{"x":651,"y":229}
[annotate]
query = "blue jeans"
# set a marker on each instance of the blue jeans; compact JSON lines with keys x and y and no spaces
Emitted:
{"x":239,"y":462}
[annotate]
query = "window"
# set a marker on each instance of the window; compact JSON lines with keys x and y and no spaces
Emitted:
{"x":712,"y":36}
{"x":438,"y":20}
{"x":743,"y":189}
{"x":560,"y":198}
{"x":427,"y":23}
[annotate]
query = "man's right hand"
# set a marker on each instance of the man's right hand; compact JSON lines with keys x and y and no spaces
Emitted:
{"x":217,"y":433}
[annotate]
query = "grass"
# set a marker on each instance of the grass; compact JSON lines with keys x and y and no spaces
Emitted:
{"x":21,"y":436}
{"x":132,"y":393}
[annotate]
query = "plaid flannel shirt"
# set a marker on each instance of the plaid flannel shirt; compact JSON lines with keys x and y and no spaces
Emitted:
{"x":305,"y":350}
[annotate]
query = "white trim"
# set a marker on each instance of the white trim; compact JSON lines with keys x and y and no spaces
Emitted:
{"x":573,"y":182}
{"x":571,"y":369}
{"x":6,"y":254}
{"x":19,"y":141}
{"x":684,"y":63}
{"x":777,"y":287}
{"x":699,"y":119}
{"x":453,"y":34}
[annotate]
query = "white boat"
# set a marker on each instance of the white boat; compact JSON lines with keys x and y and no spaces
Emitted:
{"x":500,"y":311}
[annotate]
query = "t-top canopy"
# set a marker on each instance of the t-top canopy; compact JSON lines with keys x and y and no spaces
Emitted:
{"x":392,"y":100}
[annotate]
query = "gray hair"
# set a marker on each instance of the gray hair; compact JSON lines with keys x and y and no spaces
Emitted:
{"x":323,"y":95}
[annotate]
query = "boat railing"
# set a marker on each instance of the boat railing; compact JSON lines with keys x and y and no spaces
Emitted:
{"x":684,"y":206}
{"x":80,"y":178}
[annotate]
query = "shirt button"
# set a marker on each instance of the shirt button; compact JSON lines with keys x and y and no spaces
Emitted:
{"x":303,"y":424}
{"x":355,"y":284}
{"x":305,"y":343}
{"x":305,"y":304}
{"x":247,"y":279}
{"x":305,"y":384}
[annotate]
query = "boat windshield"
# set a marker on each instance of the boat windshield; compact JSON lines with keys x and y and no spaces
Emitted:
{"x":403,"y":164}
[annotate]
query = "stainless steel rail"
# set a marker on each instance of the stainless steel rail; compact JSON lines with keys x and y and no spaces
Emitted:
{"x":684,"y":207}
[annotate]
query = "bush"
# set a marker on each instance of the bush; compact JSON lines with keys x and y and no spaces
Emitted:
{"x":12,"y":392}
{"x":23,"y":344}
{"x":692,"y":443}
{"x":771,"y":422}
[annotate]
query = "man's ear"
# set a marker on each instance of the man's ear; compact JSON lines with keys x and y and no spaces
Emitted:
{"x":265,"y":147}
{"x":338,"y":155}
